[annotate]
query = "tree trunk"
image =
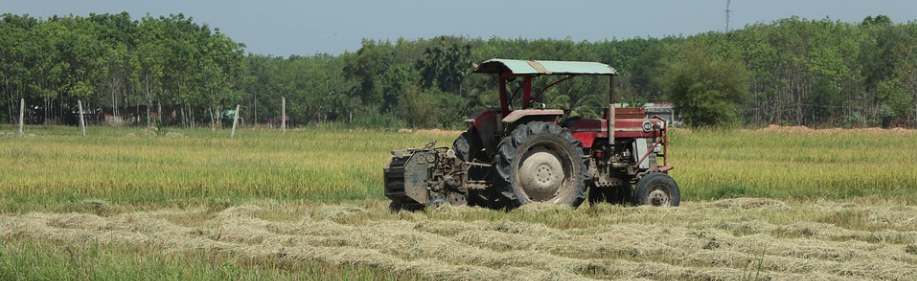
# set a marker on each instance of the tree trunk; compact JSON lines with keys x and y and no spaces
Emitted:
{"x":137,"y":114}
{"x":9,"y":94}
{"x":149,"y":103}
{"x":182,"y":108}
{"x":47,"y":111}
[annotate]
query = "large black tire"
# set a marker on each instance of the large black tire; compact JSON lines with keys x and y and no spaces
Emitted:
{"x":540,"y":162}
{"x":468,"y":145}
{"x":657,"y":189}
{"x":617,"y":195}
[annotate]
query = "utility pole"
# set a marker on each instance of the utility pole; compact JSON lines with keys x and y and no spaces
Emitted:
{"x":727,"y":14}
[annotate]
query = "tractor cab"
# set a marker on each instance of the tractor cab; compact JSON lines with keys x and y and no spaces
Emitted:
{"x":626,"y":123}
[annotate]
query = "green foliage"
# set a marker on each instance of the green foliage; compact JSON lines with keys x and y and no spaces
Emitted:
{"x":896,"y":101}
{"x":418,"y":107}
{"x":111,"y":61}
{"x":377,"y":121}
{"x":647,"y":72}
{"x":706,"y":87}
{"x":878,"y":20}
{"x":445,"y":64}
{"x":395,"y":81}
{"x":365,"y":68}
{"x":798,"y":72}
{"x":450,"y":114}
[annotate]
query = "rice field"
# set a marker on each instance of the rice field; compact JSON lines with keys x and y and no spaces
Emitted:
{"x":124,"y":203}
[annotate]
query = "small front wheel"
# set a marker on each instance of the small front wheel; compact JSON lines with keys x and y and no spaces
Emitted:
{"x":657,"y":189}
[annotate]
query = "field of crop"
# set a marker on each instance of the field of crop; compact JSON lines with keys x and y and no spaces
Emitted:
{"x":122,"y":204}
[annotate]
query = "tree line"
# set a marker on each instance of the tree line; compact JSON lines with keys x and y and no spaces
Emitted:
{"x":817,"y":73}
{"x":112,"y":61}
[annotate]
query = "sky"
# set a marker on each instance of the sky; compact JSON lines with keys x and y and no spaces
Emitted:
{"x":286,"y":27}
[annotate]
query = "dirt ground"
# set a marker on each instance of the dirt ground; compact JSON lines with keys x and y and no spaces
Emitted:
{"x":807,"y":130}
{"x":804,"y":129}
{"x":731,"y":239}
{"x":435,"y":132}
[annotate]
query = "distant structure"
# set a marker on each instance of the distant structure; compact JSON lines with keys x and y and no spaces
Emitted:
{"x":666,"y":110}
{"x":727,"y":14}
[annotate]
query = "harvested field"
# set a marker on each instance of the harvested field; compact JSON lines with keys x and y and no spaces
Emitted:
{"x":124,"y":204}
{"x":729,"y":239}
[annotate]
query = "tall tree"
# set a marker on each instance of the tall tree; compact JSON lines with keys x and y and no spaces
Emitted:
{"x":446,"y":62}
{"x":706,"y":87}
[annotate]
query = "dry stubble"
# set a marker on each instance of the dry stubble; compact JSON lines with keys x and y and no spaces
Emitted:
{"x":726,"y":239}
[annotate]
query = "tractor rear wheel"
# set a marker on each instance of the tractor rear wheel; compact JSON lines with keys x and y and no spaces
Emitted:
{"x":540,"y":162}
{"x":657,"y":189}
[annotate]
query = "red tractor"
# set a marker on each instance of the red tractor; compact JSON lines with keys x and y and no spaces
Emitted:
{"x":510,"y":157}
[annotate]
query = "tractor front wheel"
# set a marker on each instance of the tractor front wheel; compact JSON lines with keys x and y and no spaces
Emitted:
{"x":540,"y":162}
{"x":657,"y":189}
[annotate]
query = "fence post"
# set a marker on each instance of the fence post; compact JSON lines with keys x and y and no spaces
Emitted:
{"x":283,"y":116}
{"x":79,"y":104}
{"x":235,"y":121}
{"x":21,"y":115}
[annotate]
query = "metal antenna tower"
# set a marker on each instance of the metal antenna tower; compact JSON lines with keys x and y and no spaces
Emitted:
{"x":727,"y":14}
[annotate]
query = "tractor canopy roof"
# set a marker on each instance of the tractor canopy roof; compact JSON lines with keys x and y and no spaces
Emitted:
{"x":542,"y":67}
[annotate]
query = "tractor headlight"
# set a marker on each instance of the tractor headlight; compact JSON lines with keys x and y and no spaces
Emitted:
{"x":647,"y":126}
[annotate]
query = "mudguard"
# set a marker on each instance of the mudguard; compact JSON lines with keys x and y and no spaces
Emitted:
{"x":488,"y":130}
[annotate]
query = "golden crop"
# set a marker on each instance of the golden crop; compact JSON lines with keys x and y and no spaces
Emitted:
{"x":121,"y":165}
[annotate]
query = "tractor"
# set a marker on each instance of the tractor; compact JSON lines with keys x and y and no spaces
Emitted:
{"x":523,"y":153}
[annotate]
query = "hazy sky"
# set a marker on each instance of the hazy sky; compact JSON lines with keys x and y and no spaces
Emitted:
{"x":289,"y":27}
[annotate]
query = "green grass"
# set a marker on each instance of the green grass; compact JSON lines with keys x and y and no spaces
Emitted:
{"x":136,"y":166}
{"x":126,"y":166}
{"x":31,"y":259}
{"x":713,"y":164}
